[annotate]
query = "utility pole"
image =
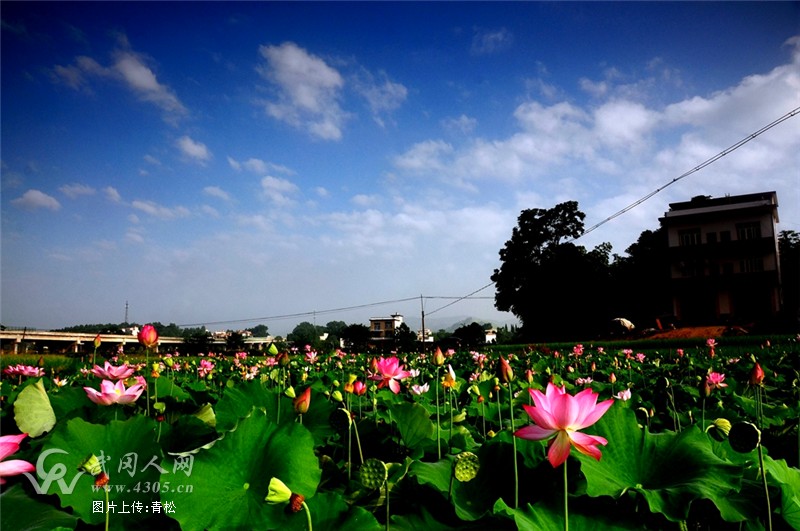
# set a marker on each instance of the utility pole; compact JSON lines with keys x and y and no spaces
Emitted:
{"x":422,"y":308}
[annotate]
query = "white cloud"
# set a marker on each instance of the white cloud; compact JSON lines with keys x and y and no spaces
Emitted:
{"x":75,"y":190}
{"x":129,"y":68}
{"x":463,"y":124}
{"x":194,"y":150}
{"x":35,"y":199}
{"x":308,"y":90}
{"x":278,"y":190}
{"x":112,"y":194}
{"x":426,"y":156}
{"x":364,"y":200}
{"x":383,"y":96}
{"x":216,"y":191}
{"x":235,"y":164}
{"x":159,"y":211}
{"x":258,"y":166}
{"x":486,"y":42}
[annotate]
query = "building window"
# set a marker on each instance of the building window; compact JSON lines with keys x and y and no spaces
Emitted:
{"x":751,"y":265}
{"x":692,"y":268}
{"x":748,"y":231}
{"x":689,"y":237}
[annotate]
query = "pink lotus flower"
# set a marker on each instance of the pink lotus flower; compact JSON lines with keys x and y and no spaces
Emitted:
{"x":559,"y":416}
{"x":24,"y":370}
{"x":114,"y":393}
{"x":109,"y":372}
{"x":389,"y":372}
{"x":205,"y":368}
{"x":623,"y":395}
{"x":715,"y":380}
{"x":148,"y":336}
{"x":9,"y":444}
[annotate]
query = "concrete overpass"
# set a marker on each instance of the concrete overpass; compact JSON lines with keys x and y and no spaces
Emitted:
{"x":12,"y":341}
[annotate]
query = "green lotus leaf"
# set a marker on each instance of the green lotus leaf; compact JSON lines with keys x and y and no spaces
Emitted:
{"x":226,"y":482}
{"x":670,"y":470}
{"x":788,"y":479}
{"x":128,"y":454}
{"x":31,"y":514}
{"x":32,"y":410}
{"x":414,"y":423}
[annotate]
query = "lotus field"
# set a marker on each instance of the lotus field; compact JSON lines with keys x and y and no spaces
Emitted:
{"x":698,"y":436}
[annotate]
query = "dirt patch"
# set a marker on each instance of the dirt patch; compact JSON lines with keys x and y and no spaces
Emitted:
{"x":702,"y":332}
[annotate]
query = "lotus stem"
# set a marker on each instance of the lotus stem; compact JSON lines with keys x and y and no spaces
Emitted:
{"x":766,"y":488}
{"x":566,"y":499}
{"x":308,"y":515}
{"x":438,"y":438}
{"x":514,"y":444}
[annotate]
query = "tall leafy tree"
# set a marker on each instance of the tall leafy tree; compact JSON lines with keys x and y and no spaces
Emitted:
{"x":641,"y":280}
{"x":557,"y":289}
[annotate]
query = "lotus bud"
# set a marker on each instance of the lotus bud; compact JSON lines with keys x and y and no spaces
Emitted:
{"x":506,"y":374}
{"x":91,"y":465}
{"x":278,"y":492}
{"x":302,"y":402}
{"x":148,"y":336}
{"x":438,"y":357}
{"x":756,"y":375}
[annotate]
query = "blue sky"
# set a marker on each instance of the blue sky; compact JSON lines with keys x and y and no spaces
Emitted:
{"x":211,"y":162}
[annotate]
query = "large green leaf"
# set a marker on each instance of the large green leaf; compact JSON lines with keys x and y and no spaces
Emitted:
{"x":544,"y":518}
{"x":31,"y":514}
{"x":330,"y":511}
{"x":789,"y":481}
{"x":414,"y":423}
{"x":131,"y":459}
{"x":32,"y":410}
{"x":670,"y":470}
{"x":227,"y":481}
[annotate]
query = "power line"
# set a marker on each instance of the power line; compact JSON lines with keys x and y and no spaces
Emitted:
{"x":469,"y":296}
{"x":331,"y":310}
{"x":697,"y":168}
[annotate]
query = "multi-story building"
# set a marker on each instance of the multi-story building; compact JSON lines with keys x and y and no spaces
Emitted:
{"x":384,"y":328}
{"x":724,"y":258}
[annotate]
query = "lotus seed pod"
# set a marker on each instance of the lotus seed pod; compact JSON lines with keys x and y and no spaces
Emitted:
{"x":340,"y":419}
{"x":374,"y":473}
{"x":744,"y":437}
{"x":467,"y":466}
{"x":719,"y":429}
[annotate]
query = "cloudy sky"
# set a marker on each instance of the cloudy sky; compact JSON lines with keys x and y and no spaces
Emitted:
{"x":223,"y":162}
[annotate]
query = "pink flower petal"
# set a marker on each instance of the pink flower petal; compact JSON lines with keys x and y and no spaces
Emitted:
{"x":541,"y":417}
{"x":14,"y":467}
{"x":10,"y":444}
{"x":559,"y":449}
{"x":587,"y":444}
{"x":533,"y":432}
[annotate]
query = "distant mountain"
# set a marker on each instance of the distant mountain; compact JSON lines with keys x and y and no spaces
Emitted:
{"x":450,"y":324}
